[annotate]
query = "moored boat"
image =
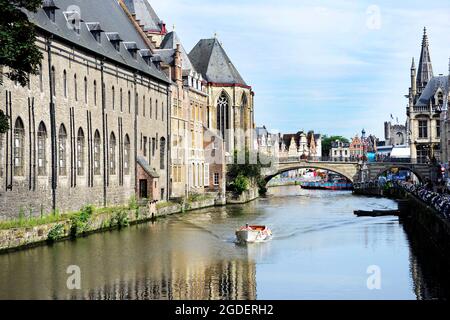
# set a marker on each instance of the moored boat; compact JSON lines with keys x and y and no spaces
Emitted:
{"x":250,"y":234}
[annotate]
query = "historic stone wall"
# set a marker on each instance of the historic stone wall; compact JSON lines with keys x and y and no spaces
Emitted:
{"x":134,"y":107}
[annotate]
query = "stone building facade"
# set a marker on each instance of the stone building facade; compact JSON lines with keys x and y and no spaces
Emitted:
{"x":300,"y":144}
{"x":340,"y":151}
{"x":395,"y":134}
{"x":426,"y":97}
{"x":230,"y":106}
{"x":92,"y":127}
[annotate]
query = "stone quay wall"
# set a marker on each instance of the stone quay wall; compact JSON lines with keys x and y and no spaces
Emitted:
{"x":25,"y":237}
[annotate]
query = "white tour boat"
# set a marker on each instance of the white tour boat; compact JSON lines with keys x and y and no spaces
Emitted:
{"x":253,"y":234}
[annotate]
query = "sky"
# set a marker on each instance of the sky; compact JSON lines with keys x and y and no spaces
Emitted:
{"x":332,"y":66}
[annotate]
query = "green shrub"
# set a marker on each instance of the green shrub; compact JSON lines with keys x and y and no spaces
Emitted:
{"x":79,"y":221}
{"x":132,"y":203}
{"x":56,"y":233}
{"x":119,"y":219}
{"x":240,"y":184}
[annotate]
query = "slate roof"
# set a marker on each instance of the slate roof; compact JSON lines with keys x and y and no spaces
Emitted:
{"x":430,"y":90}
{"x":144,"y":164}
{"x":170,"y":41}
{"x":144,"y":12}
{"x":210,"y":59}
{"x":425,"y":68}
{"x":107,"y":16}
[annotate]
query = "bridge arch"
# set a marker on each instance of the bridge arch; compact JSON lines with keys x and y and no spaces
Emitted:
{"x":348,"y":174}
{"x":385,"y":169}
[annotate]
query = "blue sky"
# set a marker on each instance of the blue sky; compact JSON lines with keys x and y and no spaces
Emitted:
{"x":334,"y":66}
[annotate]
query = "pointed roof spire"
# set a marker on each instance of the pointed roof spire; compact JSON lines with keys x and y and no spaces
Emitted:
{"x":425,"y":70}
{"x":413,"y":64}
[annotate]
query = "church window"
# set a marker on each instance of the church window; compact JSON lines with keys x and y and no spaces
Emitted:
{"x":62,"y":152}
{"x":41,"y":149}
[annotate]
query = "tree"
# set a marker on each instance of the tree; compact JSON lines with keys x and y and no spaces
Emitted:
{"x":328,"y":140}
{"x":18,"y":51}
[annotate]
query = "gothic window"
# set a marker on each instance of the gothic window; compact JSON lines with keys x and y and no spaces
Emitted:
{"x":97,"y":153}
{"x":19,"y":140}
{"x":41,"y":149}
{"x":75,"y":87}
{"x":95,"y":93}
{"x":162,"y":152}
{"x":113,"y":93}
{"x":129,"y":101}
{"x":150,"y":108}
{"x":41,"y":80}
{"x":143,"y":106}
{"x":222,"y":114}
{"x":126,"y":155}
{"x":423,"y":129}
{"x":112,"y":154}
{"x":62,"y":151}
{"x":121,"y":100}
{"x":53,"y":79}
{"x":156,"y":110}
{"x":80,"y":152}
{"x":85,"y":90}
{"x":65,"y":83}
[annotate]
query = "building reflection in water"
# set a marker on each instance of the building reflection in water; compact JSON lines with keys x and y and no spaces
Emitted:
{"x":428,"y":267}
{"x":170,"y":262}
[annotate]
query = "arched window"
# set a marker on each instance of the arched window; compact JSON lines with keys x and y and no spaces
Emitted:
{"x":156,"y":110}
{"x":85,"y":90}
{"x":136,"y":101}
{"x":121,"y":100}
{"x":41,"y":79}
{"x":53,"y":79}
{"x":19,"y":141}
{"x":162,"y":153}
{"x":151,"y":107}
{"x":42,"y":149}
{"x":143,"y":106}
{"x":65,"y":83}
{"x":126,"y":155}
{"x":80,"y":152}
{"x":129,"y":101}
{"x":95,"y":93}
{"x":97,"y":153}
{"x":112,"y":154}
{"x":62,"y":151}
{"x":113,"y":93}
{"x":75,"y":87}
{"x":222,"y":114}
{"x":243,"y":123}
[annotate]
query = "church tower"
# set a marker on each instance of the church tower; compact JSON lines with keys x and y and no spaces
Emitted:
{"x":425,"y":69}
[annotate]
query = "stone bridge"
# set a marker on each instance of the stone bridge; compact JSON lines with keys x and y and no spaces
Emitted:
{"x":353,"y":171}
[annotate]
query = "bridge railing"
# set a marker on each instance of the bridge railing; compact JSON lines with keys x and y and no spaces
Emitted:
{"x":315,"y":159}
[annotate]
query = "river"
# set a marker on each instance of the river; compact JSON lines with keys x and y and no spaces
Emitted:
{"x":320,"y":250}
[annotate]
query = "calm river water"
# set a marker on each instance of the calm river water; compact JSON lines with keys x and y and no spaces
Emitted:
{"x":320,"y":250}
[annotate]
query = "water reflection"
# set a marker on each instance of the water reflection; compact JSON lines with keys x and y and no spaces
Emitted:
{"x":320,"y":250}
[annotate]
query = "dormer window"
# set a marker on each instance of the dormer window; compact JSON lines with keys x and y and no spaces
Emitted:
{"x":74,"y":20}
{"x":132,"y":48}
{"x":146,"y":55}
{"x":156,"y":60}
{"x":115,"y":39}
{"x":95,"y":29}
{"x":49,"y":9}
